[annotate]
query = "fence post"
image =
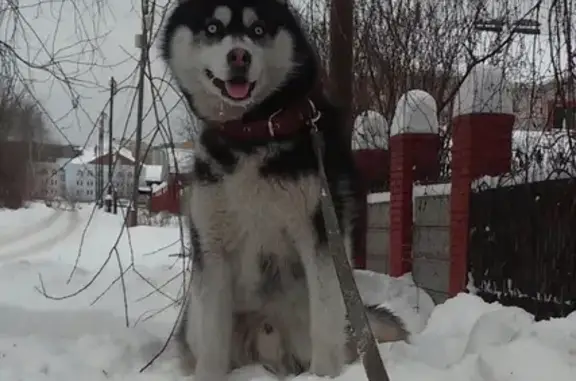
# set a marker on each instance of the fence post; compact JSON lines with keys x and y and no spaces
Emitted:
{"x":370,"y":149}
{"x":414,"y":147}
{"x":482,"y":124}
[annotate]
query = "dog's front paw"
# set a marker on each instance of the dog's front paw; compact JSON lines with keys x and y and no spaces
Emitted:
{"x":328,"y":361}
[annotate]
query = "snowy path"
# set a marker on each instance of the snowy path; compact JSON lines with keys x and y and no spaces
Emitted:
{"x":24,"y":232}
{"x":28,"y":234}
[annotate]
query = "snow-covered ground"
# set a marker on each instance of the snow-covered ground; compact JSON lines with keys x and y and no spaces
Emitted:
{"x":84,"y":337}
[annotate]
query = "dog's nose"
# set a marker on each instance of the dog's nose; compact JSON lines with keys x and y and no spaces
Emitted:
{"x":239,"y":57}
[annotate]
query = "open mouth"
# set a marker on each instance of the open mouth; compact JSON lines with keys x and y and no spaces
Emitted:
{"x":236,"y":88}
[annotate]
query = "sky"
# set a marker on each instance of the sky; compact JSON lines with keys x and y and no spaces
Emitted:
{"x":63,"y":29}
{"x":80,"y":33}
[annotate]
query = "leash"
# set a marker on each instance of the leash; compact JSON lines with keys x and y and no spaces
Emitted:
{"x":363,"y":335}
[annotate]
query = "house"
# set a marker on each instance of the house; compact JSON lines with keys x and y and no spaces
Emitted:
{"x":542,"y":106}
{"x":166,"y":196}
{"x":83,"y":172}
{"x":49,"y":181}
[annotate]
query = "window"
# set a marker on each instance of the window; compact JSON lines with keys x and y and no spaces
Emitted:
{"x":79,"y":173}
{"x":79,"y":182}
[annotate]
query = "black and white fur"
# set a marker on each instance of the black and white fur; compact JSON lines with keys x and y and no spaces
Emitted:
{"x":263,"y":288}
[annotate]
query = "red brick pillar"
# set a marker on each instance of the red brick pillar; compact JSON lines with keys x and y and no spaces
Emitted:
{"x":481,"y":146}
{"x":414,"y":146}
{"x":373,"y":163}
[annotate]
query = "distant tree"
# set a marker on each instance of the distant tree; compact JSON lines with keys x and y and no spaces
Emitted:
{"x":22,"y":131}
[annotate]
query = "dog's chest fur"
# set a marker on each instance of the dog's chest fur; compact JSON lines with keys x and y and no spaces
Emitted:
{"x":268,"y":205}
{"x":256,"y":218}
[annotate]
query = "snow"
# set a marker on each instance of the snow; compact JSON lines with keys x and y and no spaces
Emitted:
{"x":370,"y":131}
{"x":44,"y":339}
{"x":484,"y":90}
{"x":157,"y":188}
{"x":86,"y":156}
{"x":415,"y":113}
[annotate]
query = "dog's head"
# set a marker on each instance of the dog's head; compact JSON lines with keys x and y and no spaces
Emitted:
{"x":228,"y":56}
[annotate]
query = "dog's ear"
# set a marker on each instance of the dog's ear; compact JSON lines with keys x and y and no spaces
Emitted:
{"x":283,"y":2}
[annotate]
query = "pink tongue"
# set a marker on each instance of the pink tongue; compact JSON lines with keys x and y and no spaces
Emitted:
{"x":238,"y":91}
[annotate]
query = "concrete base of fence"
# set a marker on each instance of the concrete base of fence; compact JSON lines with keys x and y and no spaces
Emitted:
{"x":431,"y":238}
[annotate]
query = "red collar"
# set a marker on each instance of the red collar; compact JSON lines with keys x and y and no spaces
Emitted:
{"x":282,"y":123}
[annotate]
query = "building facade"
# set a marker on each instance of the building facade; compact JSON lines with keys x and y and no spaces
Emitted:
{"x":85,"y":178}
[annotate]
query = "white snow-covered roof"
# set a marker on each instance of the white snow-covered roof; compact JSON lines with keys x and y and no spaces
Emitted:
{"x":153,"y":172}
{"x":85,"y":157}
{"x":370,"y":131}
{"x":416,"y":112}
{"x":89,"y":154}
{"x":124,"y":152}
{"x":484,"y":90}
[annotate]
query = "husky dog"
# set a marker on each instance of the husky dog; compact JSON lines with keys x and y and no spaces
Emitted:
{"x":264,"y":288}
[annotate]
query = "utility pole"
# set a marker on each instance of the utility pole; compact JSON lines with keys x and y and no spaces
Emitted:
{"x":342,"y":57}
{"x":99,"y":166}
{"x":142,"y":43}
{"x":110,"y":152}
{"x":341,"y":77}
